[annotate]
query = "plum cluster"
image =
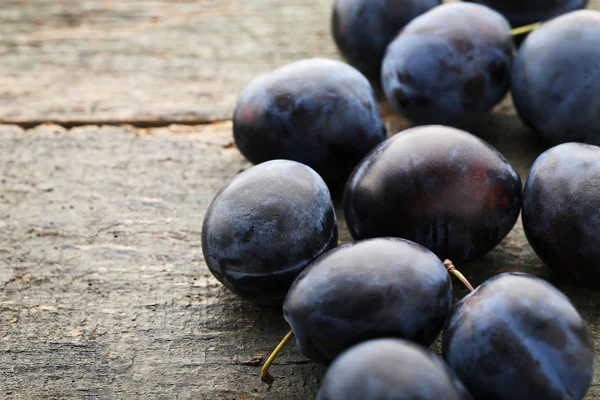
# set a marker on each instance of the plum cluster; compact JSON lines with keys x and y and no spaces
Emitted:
{"x":368,"y":309}
{"x":270,"y":235}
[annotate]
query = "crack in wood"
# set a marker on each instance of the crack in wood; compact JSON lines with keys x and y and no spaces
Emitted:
{"x":136,"y":123}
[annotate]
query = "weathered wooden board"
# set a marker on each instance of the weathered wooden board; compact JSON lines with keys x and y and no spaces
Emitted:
{"x":103,"y":289}
{"x":148,"y":61}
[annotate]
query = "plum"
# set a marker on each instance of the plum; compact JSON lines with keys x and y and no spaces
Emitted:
{"x":438,"y":186}
{"x":555,"y":81}
{"x":384,"y":287}
{"x":524,"y":12}
{"x":265,"y":226}
{"x":517,"y":337}
{"x":362,"y":29}
{"x":450,"y":62}
{"x":322,"y":113}
{"x":560,"y":211}
{"x":390,"y":369}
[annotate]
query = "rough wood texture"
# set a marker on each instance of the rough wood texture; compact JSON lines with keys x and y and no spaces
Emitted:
{"x":144,"y":61}
{"x":103,"y":289}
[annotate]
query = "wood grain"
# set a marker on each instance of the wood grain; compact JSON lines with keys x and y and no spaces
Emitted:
{"x":146,"y":61}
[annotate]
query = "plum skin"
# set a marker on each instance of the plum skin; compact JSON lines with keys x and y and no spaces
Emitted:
{"x":518,"y":337}
{"x":390,"y":369}
{"x":319,"y":112}
{"x":265,"y":226}
{"x":554,"y":88}
{"x":560,"y":211}
{"x":384,"y":287}
{"x":524,"y":12}
{"x":362,"y":29}
{"x":448,"y":63}
{"x":438,"y":186}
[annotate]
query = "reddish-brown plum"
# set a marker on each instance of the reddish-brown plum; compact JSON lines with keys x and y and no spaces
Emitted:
{"x":438,"y":186}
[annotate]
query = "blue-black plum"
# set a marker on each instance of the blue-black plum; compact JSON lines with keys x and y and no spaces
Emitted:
{"x":555,"y":81}
{"x":390,"y":369}
{"x":560,"y":211}
{"x":524,"y":12}
{"x":322,"y":113}
{"x":265,"y":226}
{"x":450,"y":62}
{"x":362,"y":29}
{"x":385,"y":287}
{"x":516,"y":337}
{"x":438,"y":186}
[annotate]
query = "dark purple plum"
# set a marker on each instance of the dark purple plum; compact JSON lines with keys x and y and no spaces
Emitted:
{"x":561,"y":204}
{"x":555,"y":81}
{"x":362,"y":29}
{"x":449,"y":63}
{"x":390,"y":369}
{"x":516,"y":337}
{"x":438,"y":186}
{"x":265,"y":226}
{"x":524,"y":12}
{"x":385,"y":287}
{"x":322,"y":113}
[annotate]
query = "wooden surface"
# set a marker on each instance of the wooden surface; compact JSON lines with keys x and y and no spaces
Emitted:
{"x":103,"y":289}
{"x":143,"y":61}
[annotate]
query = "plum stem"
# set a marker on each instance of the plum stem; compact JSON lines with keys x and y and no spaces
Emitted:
{"x":452,"y":269}
{"x":525,"y":29}
{"x":265,"y":376}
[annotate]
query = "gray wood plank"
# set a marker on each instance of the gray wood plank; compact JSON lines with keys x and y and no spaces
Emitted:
{"x":146,"y":61}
